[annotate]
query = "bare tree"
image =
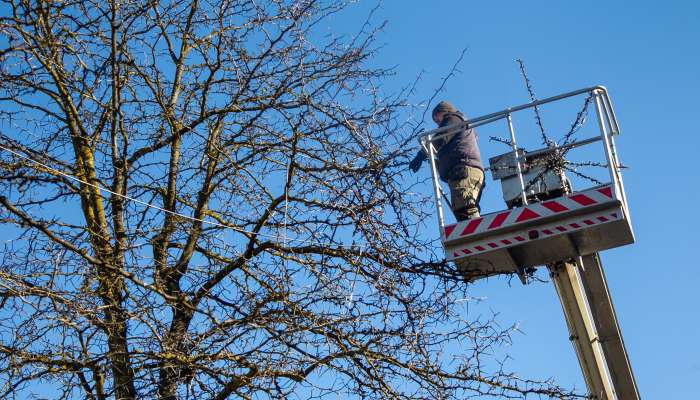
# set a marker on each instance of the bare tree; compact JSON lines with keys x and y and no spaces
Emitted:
{"x":243,"y":229}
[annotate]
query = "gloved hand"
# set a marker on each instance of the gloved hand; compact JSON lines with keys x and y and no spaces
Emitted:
{"x":417,"y":161}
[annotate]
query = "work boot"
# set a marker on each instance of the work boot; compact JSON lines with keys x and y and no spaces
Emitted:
{"x":466,"y":213}
{"x":462,"y":214}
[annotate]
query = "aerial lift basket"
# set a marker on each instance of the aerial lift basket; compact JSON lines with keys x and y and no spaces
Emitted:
{"x":545,"y":222}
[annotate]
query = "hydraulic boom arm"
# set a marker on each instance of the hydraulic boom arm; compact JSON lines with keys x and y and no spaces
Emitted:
{"x":593,"y":327}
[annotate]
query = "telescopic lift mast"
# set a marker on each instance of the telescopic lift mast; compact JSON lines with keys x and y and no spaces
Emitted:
{"x":548,"y":224}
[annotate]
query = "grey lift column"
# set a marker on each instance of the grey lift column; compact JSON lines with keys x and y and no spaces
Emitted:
{"x":593,"y":328}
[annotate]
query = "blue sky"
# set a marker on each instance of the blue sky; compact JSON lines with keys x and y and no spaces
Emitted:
{"x":646,"y":53}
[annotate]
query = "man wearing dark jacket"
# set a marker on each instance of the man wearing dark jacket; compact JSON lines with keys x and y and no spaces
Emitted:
{"x":458,"y":163}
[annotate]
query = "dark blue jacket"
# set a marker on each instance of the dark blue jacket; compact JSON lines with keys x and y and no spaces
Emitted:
{"x":461,"y":150}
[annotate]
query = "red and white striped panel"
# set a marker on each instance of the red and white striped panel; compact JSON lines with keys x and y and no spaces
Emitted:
{"x":519,"y":215}
{"x":565,"y":226}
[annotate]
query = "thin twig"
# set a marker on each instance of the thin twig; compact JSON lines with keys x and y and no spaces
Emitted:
{"x":440,"y":88}
{"x":578,"y":122}
{"x":507,"y":142}
{"x":579,"y":174}
{"x":545,"y":140}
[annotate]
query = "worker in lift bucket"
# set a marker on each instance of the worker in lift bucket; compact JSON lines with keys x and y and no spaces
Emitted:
{"x":458,"y":163}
